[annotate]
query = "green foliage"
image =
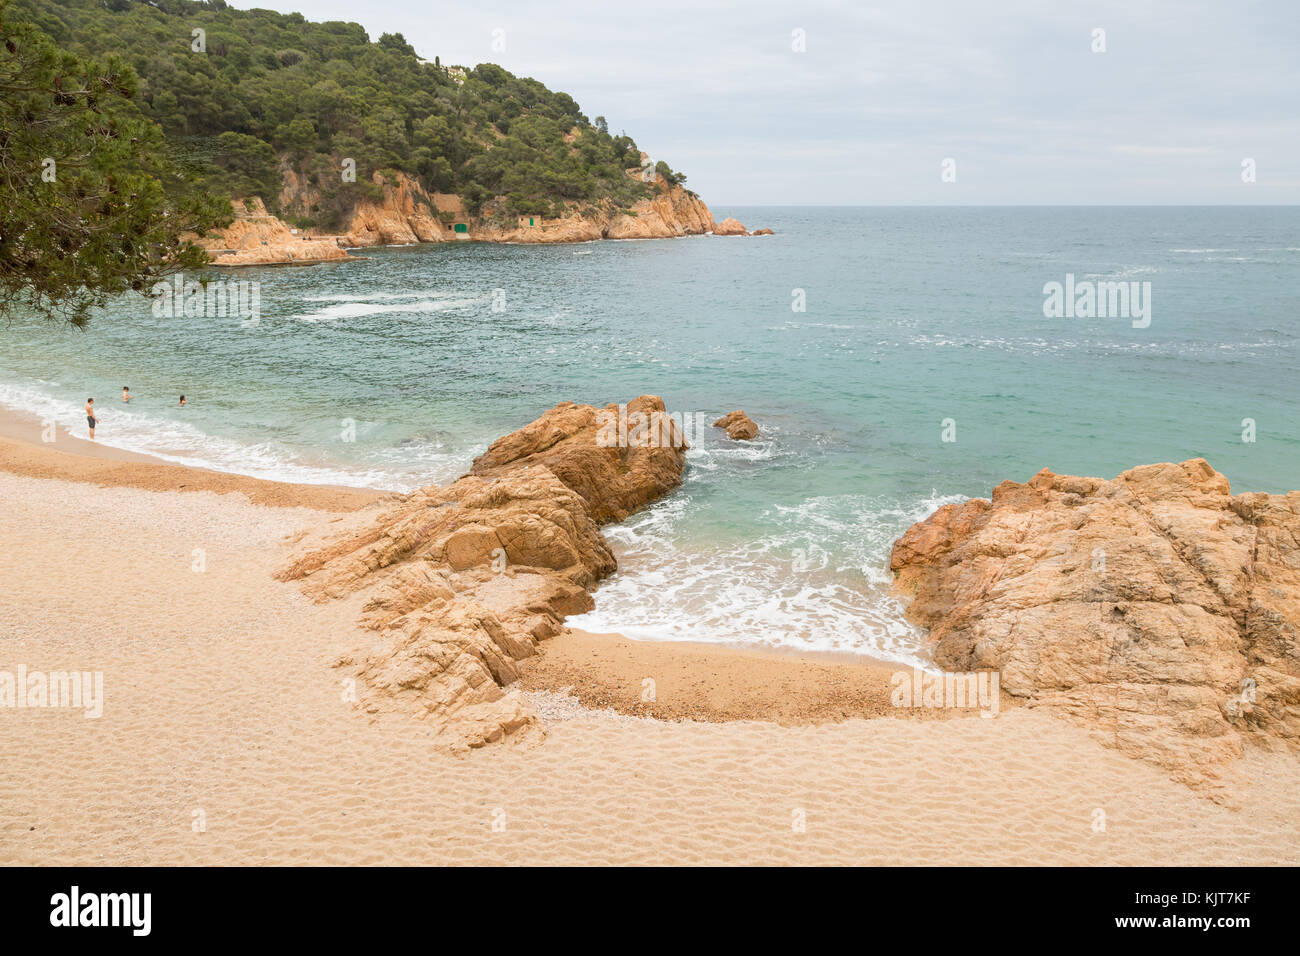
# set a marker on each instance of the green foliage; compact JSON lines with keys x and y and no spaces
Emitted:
{"x":670,"y":177}
{"x":93,"y":200}
{"x":308,"y":89}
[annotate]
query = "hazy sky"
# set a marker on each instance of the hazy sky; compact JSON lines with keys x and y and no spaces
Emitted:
{"x":883,"y":93}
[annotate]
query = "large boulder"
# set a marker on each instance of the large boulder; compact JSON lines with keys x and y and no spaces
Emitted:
{"x":619,"y":458}
{"x":1155,"y":609}
{"x":456,"y":585}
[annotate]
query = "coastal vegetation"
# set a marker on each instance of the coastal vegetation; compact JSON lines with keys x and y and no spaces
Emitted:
{"x":93,"y":200}
{"x":250,"y":97}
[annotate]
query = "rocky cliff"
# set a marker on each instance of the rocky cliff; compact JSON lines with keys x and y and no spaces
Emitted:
{"x":408,"y":214}
{"x":255,"y":237}
{"x":1156,"y":609}
{"x":458,"y":584}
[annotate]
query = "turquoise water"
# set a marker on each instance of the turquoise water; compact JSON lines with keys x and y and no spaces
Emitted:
{"x":913,"y":316}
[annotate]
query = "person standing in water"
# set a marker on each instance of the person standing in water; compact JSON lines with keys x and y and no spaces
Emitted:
{"x":126,"y":393}
{"x":90,"y":417}
{"x":182,"y":404}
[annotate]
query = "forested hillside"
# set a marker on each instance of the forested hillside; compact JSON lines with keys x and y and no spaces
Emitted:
{"x":260,"y":92}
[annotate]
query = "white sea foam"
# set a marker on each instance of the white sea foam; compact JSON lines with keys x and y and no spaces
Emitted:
{"x":817,"y":580}
{"x":360,"y":309}
{"x":122,"y":426}
{"x":1125,"y":272}
{"x":355,"y":296}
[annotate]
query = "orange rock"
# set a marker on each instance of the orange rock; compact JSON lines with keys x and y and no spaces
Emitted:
{"x":1155,"y":609}
{"x":458,"y":584}
{"x":616,"y":475}
{"x":730,"y":227}
{"x":255,"y":237}
{"x":407,"y":214}
{"x":737,"y":425}
{"x":402,"y":217}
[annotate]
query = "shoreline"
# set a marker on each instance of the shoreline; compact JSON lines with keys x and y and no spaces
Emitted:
{"x":78,"y":459}
{"x":349,"y":251}
{"x":68,"y":458}
{"x":720,"y":683}
{"x":739,"y":672}
{"x":257,"y":738}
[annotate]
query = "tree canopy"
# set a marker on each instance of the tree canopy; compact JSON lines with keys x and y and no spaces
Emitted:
{"x":258,"y":93}
{"x":93,"y":201}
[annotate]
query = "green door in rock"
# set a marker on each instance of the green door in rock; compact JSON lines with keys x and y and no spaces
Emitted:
{"x":462,"y":227}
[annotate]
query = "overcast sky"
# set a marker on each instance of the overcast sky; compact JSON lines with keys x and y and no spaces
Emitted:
{"x":883,"y":93}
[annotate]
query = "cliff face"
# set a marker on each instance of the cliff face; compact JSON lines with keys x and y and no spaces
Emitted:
{"x":456,"y":585}
{"x":408,"y":214}
{"x":1157,"y":609}
{"x":405,"y":215}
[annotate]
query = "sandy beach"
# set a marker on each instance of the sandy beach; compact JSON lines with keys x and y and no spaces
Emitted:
{"x":227,"y":737}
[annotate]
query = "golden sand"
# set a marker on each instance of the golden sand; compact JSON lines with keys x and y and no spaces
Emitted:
{"x":226,"y":736}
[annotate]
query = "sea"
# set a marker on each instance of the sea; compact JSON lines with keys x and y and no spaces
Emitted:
{"x":895,"y":359}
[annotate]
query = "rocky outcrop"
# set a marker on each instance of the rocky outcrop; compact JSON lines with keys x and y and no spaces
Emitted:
{"x":405,"y":215}
{"x":670,"y":213}
{"x":461,"y":583}
{"x":618,"y":459}
{"x":255,"y":237}
{"x":1156,"y":609}
{"x":737,"y":425}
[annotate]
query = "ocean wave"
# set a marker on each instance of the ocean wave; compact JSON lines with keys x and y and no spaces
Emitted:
{"x":362,"y":309}
{"x":355,"y":296}
{"x":1125,"y":272}
{"x":815,"y":580}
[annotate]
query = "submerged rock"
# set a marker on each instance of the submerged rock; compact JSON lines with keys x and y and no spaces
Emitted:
{"x":460,"y":583}
{"x":1156,"y":609}
{"x":737,"y":425}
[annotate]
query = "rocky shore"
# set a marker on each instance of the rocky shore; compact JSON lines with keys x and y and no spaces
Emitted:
{"x":407,"y":214}
{"x":1157,"y":609}
{"x":459,"y":584}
